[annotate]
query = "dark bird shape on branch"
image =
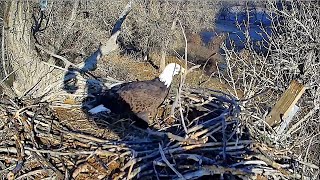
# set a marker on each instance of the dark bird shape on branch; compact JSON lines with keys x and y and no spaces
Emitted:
{"x":139,"y":99}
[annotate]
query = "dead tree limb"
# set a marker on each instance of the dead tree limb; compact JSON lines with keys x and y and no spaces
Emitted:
{"x":111,"y":45}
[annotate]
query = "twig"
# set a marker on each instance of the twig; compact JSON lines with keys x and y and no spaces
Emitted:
{"x":84,"y":136}
{"x":297,"y":21}
{"x":273,"y":164}
{"x":295,"y":126}
{"x":310,"y":165}
{"x":20,"y":149}
{"x":32,"y":173}
{"x":196,"y":174}
{"x":130,"y":170}
{"x":47,"y":163}
{"x":211,"y":170}
{"x":65,"y":60}
{"x":200,"y":159}
{"x":2,"y":53}
{"x":307,"y":151}
{"x":168,"y":163}
{"x":168,"y":134}
{"x":28,"y":151}
{"x":252,"y":162}
{"x":122,"y":17}
{"x":215,"y":169}
{"x":174,"y":137}
{"x":175,"y":104}
{"x":183,"y":79}
{"x":155,"y":170}
{"x":58,"y":153}
{"x":61,"y":68}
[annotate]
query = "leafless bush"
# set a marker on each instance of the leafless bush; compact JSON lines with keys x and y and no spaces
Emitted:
{"x":152,"y":24}
{"x":297,"y":56}
{"x":77,"y":30}
{"x":292,"y":53}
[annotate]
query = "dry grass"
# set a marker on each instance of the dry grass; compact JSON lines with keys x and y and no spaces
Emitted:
{"x":126,"y":69}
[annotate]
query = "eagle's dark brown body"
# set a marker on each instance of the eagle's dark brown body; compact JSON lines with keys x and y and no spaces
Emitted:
{"x":139,"y":98}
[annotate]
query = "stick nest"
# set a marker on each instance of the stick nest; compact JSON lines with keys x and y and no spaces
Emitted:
{"x":203,"y":136}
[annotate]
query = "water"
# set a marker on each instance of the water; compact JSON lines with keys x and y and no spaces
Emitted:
{"x":232,"y":19}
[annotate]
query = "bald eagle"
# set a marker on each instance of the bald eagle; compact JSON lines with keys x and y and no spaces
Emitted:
{"x":139,"y":99}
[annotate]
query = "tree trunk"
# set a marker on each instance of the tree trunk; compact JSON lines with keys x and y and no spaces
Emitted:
{"x":32,"y":76}
{"x":35,"y":77}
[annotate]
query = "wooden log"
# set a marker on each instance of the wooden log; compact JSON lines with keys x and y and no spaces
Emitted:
{"x":287,"y":101}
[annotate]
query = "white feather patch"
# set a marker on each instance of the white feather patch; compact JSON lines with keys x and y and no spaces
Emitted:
{"x":169,"y":71}
{"x":98,"y":109}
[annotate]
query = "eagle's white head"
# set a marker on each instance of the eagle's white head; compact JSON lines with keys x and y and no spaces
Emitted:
{"x":169,"y":71}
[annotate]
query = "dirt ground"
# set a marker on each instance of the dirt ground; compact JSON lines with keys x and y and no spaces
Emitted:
{"x":127,"y":68}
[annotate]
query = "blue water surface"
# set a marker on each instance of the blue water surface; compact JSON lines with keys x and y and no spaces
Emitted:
{"x":231,"y":20}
